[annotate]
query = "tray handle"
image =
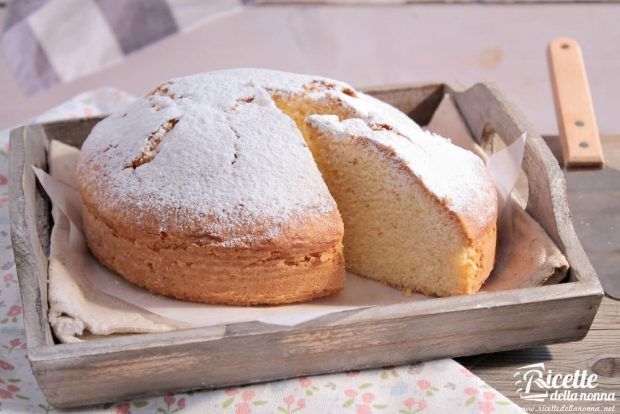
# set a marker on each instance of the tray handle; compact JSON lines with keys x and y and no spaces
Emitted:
{"x":30,"y":228}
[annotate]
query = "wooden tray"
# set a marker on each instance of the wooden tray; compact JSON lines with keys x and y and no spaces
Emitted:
{"x":135,"y":365}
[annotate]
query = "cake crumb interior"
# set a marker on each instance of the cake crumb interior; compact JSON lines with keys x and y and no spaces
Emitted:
{"x":395,"y":231}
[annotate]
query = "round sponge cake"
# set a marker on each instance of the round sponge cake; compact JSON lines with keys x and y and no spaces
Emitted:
{"x":214,"y":188}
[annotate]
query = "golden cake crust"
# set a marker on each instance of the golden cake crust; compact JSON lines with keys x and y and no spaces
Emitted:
{"x":289,"y":270}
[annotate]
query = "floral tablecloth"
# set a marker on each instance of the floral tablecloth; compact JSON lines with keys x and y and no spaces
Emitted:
{"x":441,"y":386}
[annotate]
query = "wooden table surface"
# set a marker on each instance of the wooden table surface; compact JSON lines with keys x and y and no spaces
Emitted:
{"x":594,"y":199}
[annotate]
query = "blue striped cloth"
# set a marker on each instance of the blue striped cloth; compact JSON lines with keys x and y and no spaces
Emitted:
{"x":52,"y":41}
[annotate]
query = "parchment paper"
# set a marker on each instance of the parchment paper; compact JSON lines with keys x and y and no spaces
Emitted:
{"x":87,"y":300}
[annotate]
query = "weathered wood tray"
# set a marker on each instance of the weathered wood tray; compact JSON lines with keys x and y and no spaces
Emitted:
{"x":130,"y":366}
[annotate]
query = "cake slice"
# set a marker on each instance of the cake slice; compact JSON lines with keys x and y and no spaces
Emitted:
{"x":419,"y":213}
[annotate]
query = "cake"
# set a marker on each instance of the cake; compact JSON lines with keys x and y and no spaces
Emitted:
{"x":238,"y":186}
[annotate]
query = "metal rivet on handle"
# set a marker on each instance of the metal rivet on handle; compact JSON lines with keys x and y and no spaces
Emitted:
{"x":579,"y":123}
{"x":583,"y":144}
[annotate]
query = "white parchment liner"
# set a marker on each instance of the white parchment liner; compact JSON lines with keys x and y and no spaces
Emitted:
{"x":88,"y":299}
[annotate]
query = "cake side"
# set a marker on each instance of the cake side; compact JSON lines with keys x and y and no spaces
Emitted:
{"x":179,"y":267}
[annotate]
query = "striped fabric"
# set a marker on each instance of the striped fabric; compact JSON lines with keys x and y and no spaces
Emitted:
{"x":52,"y":41}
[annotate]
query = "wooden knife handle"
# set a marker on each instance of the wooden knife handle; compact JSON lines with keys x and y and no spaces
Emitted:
{"x":581,"y":145}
